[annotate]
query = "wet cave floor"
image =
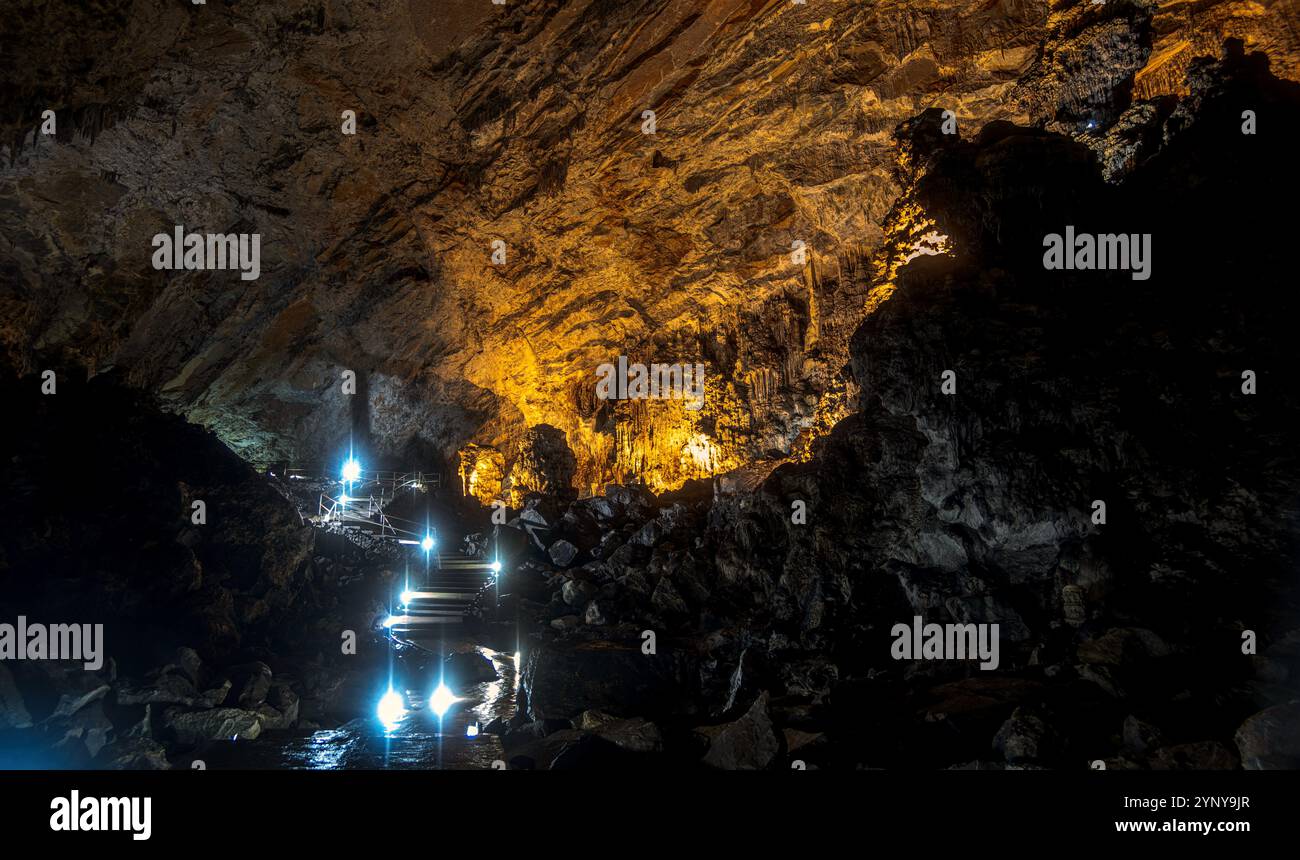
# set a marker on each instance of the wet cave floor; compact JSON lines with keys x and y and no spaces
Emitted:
{"x":419,"y":740}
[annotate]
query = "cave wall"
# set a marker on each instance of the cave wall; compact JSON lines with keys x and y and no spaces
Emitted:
{"x":522,"y":123}
{"x":147,"y":524}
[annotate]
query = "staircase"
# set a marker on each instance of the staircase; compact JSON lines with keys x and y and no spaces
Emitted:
{"x":439,"y":599}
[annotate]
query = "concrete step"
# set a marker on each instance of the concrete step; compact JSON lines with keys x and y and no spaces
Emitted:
{"x":442,"y":593}
{"x":464,"y":573}
{"x":446,"y":612}
{"x":403,"y":623}
{"x":456,"y":602}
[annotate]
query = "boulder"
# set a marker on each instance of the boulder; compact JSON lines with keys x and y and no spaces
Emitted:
{"x":627,"y":555}
{"x":1140,"y":736}
{"x":576,"y":592}
{"x":667,"y":600}
{"x":690,"y":577}
{"x":84,"y":730}
{"x":538,"y":511}
{"x":214,"y":697}
{"x":648,"y":535}
{"x":634,"y":734}
{"x":70,"y":704}
{"x":749,"y":743}
{"x":191,"y":727}
{"x":580,"y":527}
{"x":273,"y":719}
{"x":1280,"y":661}
{"x":592,"y":719}
{"x":562,"y":553}
{"x":609,"y":542}
{"x":797,"y":740}
{"x":188,"y":661}
{"x":1026,"y":737}
{"x":1270,"y":740}
{"x":170,"y":689}
{"x":630,"y":501}
{"x":284,"y":700}
{"x":673,"y":517}
{"x":601,"y":508}
{"x":143,"y":728}
{"x":635,"y":584}
{"x":1202,"y":755}
{"x":133,"y":754}
{"x":250,"y":682}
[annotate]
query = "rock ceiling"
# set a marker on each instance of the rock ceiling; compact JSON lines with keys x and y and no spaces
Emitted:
{"x":522,"y":123}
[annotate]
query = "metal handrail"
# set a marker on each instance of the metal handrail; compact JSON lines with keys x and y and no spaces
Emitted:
{"x":337,"y":512}
{"x":391,"y":478}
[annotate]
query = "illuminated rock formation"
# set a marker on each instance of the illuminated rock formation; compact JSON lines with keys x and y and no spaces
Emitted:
{"x":482,"y":470}
{"x":544,"y":464}
{"x":518,"y":129}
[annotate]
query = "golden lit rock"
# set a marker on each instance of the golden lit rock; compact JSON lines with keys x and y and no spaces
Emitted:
{"x":523,"y":125}
{"x":544,"y":464}
{"x":482,"y":470}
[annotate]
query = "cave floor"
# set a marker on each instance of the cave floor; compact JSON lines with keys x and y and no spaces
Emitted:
{"x":419,"y":741}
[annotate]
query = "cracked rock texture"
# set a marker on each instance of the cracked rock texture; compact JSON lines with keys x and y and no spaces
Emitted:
{"x":1122,"y":640}
{"x":522,"y":123}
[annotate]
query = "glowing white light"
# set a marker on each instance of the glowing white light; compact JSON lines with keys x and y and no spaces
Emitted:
{"x":407,"y":596}
{"x":388,"y":622}
{"x":344,"y":498}
{"x":427,"y":543}
{"x":496,"y":567}
{"x":442,"y":700}
{"x":351,"y":471}
{"x":471,"y":731}
{"x":391,"y":709}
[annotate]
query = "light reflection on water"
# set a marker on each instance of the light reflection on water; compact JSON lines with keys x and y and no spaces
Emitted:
{"x":419,"y":741}
{"x":325,"y":750}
